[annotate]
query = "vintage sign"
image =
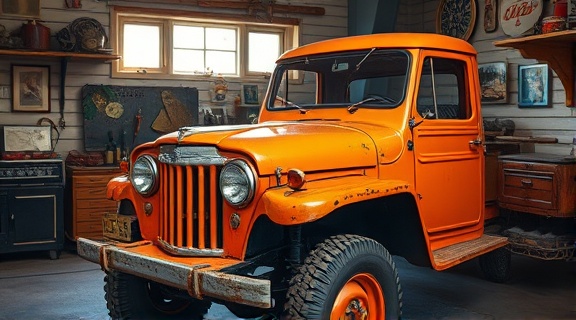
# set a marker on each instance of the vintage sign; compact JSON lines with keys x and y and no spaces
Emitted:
{"x":519,"y":16}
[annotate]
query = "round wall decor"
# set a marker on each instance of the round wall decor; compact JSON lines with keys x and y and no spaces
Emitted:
{"x":456,"y":18}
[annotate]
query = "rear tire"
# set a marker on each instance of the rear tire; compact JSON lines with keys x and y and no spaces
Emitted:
{"x":342,"y":276}
{"x":495,"y":265}
{"x":131,"y":297}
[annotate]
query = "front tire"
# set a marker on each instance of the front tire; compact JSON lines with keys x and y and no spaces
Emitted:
{"x":345,"y":275}
{"x":131,"y":297}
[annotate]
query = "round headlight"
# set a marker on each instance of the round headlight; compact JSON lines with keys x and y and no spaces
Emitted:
{"x":237,"y":183}
{"x":144,"y":175}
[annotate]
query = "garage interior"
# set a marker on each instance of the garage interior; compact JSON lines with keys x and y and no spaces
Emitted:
{"x":96,"y":107}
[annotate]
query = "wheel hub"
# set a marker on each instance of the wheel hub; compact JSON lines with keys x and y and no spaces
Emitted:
{"x":360,"y":299}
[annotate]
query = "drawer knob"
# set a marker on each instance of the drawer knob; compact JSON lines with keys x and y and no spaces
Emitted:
{"x":526,"y":182}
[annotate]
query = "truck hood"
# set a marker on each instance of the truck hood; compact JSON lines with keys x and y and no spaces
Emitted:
{"x":309,"y":146}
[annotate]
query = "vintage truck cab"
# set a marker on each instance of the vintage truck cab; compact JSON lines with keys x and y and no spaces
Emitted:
{"x":365,"y":147}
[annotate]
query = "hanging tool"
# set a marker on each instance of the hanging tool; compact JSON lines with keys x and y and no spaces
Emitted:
{"x":137,"y":123}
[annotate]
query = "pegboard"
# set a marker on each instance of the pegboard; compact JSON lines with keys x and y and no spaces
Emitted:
{"x":119,"y":109}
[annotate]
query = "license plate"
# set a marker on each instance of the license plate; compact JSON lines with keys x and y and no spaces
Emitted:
{"x":118,"y":227}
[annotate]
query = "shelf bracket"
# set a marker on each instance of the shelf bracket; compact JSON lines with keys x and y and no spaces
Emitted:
{"x":62,"y":96}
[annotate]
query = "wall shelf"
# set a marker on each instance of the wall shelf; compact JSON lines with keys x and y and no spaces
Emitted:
{"x":60,"y":54}
{"x":555,"y":48}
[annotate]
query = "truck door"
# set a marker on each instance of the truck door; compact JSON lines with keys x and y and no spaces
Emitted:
{"x":447,"y":144}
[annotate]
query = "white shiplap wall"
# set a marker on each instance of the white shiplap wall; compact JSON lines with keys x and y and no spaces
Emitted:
{"x":556,"y":121}
{"x":56,"y":16}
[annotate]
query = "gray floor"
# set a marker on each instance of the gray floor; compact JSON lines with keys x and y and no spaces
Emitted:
{"x":34,"y":287}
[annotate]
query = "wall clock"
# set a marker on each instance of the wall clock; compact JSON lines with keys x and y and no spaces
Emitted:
{"x":456,"y":18}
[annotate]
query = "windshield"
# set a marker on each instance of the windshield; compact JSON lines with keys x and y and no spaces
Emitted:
{"x":372,"y":78}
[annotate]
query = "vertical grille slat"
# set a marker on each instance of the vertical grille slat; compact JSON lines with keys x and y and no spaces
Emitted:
{"x":189,"y":207}
{"x":179,"y":207}
{"x":201,"y":208}
{"x":171,"y":206}
{"x":213,"y":208}
{"x":164,"y":173}
{"x":192,"y":206}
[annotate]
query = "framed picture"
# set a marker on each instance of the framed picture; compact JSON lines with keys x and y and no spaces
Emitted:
{"x":30,"y":88}
{"x":493,"y":80}
{"x":250,"y":94}
{"x":20,"y":8}
{"x":533,"y":85}
{"x":27,"y":138}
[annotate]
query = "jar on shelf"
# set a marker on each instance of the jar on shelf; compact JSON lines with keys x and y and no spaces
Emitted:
{"x":553,"y":24}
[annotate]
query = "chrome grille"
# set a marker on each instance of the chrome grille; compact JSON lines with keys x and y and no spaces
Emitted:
{"x":192,"y":208}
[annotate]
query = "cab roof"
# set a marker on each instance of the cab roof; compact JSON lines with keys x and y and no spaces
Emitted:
{"x":382,"y":40}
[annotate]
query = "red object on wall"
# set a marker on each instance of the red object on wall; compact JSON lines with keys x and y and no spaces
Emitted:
{"x":36,"y":36}
{"x":561,"y":8}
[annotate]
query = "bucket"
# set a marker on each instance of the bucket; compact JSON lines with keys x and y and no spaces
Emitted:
{"x":36,"y":36}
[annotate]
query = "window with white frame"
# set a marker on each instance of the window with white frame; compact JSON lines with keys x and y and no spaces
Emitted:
{"x":159,"y":45}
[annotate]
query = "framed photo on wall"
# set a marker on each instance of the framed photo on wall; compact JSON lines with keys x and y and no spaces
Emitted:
{"x":533,"y":85}
{"x":250,"y":94}
{"x":493,"y":82}
{"x":30,"y":88}
{"x":20,"y":8}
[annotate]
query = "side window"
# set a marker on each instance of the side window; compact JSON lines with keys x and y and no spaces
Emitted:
{"x":443,"y":92}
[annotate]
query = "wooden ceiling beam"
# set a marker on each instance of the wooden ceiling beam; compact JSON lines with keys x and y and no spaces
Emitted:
{"x":249,"y":5}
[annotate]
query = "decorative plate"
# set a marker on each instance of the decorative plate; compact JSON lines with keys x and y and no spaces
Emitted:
{"x":519,"y":17}
{"x":456,"y":18}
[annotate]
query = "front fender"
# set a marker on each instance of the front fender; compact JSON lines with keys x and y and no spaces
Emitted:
{"x":289,"y":207}
{"x":119,"y":188}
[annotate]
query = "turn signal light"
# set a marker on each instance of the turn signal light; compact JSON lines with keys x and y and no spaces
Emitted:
{"x":296,"y":179}
{"x":124,"y":166}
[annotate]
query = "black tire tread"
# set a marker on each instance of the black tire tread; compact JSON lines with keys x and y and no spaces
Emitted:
{"x":313,"y":279}
{"x":120,"y":304}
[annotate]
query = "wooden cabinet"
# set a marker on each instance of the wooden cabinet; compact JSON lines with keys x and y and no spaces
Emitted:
{"x":87,"y":203}
{"x":542,"y":184}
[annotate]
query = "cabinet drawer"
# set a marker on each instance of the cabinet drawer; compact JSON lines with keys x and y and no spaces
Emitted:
{"x":98,"y":192}
{"x":90,"y":181}
{"x":96,"y":204}
{"x":523,"y":184}
{"x":541,"y":188}
{"x":89,"y":229}
{"x":92,"y":214}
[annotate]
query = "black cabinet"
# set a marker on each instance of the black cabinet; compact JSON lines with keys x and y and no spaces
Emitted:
{"x":31,"y":214}
{"x":31,"y":219}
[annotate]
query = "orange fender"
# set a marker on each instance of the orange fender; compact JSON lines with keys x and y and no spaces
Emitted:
{"x":289,"y":207}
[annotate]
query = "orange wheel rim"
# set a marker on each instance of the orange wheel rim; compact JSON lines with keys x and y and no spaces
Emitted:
{"x":360,"y":298}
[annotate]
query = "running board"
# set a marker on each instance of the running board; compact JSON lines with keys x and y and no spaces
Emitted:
{"x":457,"y":253}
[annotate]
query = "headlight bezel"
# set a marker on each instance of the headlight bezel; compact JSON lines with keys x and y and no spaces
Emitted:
{"x":151,"y":163}
{"x":248,"y":172}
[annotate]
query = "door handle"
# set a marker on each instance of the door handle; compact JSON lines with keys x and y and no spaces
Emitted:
{"x":476,"y":142}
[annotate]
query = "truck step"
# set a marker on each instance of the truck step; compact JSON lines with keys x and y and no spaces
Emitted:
{"x":450,"y":256}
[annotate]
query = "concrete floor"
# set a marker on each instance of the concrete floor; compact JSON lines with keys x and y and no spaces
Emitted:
{"x":34,"y":287}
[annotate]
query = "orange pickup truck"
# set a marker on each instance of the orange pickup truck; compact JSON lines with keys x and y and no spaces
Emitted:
{"x":365,"y":147}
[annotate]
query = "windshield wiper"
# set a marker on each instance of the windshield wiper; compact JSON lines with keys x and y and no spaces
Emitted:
{"x":299,"y":108}
{"x":364,"y":59}
{"x":354,"y":107}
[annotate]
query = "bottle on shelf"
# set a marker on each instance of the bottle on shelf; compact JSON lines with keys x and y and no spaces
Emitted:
{"x":111,"y":149}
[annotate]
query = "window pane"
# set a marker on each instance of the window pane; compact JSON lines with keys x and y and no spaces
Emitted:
{"x":138,"y":53}
{"x":188,"y":37}
{"x":263,"y":50}
{"x":221,"y":39}
{"x":188,"y":61}
{"x":221,"y":62}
